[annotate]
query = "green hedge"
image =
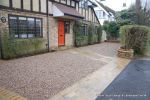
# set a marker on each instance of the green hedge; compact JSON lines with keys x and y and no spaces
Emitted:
{"x":81,"y":40}
{"x":135,"y":37}
{"x":20,"y":47}
{"x":112,"y":30}
{"x":91,"y":38}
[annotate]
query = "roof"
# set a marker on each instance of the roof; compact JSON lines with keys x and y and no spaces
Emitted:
{"x":106,"y":8}
{"x":68,"y":10}
{"x":93,"y":2}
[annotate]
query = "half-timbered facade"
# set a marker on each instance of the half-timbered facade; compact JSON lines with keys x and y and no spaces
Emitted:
{"x":52,"y":20}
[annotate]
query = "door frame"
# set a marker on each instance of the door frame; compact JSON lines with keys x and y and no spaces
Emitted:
{"x":64,"y":34}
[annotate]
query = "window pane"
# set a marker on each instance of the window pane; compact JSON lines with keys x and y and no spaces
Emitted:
{"x":84,"y":30}
{"x":22,"y":27}
{"x":43,"y":6}
{"x":35,"y":5}
{"x":31,"y":27}
{"x":26,"y":4}
{"x":38,"y":28}
{"x":13,"y":26}
{"x":16,"y":3}
{"x":4,"y":2}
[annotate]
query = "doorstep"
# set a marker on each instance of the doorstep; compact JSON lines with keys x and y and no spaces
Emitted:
{"x":91,"y":86}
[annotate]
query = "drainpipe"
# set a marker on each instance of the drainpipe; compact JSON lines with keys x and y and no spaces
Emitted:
{"x":48,"y":44}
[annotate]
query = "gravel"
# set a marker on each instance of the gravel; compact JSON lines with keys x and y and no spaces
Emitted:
{"x":42,"y":76}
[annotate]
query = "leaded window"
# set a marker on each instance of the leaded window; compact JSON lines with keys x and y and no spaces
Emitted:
{"x":25,"y":27}
{"x":85,"y":29}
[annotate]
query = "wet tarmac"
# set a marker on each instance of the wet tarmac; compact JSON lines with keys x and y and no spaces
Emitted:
{"x":132,"y":84}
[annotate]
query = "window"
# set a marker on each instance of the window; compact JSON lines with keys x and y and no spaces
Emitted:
{"x":83,"y":4}
{"x":67,"y":27}
{"x":104,"y":14}
{"x":25,"y":27}
{"x":84,"y":29}
{"x":13,"y":26}
{"x":4,"y":2}
{"x":124,"y":5}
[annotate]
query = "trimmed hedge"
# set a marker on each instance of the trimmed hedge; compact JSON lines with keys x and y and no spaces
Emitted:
{"x":135,"y":37}
{"x":91,"y":38}
{"x":13,"y":48}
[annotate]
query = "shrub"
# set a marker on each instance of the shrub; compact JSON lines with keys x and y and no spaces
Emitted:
{"x":20,"y":47}
{"x":90,"y":33}
{"x":112,"y":30}
{"x":135,"y":37}
{"x":99,"y":33}
{"x":93,"y":36}
{"x":134,"y":15}
{"x":80,"y":39}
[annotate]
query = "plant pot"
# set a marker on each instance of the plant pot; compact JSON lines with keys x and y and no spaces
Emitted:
{"x":123,"y":53}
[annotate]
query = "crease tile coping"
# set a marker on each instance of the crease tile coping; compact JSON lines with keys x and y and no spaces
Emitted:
{"x":91,"y":86}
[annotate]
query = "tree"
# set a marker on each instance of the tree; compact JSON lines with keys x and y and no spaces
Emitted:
{"x":134,"y":15}
{"x":112,"y":30}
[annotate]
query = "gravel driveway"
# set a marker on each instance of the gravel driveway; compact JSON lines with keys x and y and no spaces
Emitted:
{"x":42,"y":76}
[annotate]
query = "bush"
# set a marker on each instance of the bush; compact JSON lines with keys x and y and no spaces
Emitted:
{"x":112,"y":30}
{"x":20,"y":47}
{"x":90,"y":38}
{"x":135,"y":37}
{"x":90,"y":33}
{"x":80,"y":39}
{"x":99,"y":33}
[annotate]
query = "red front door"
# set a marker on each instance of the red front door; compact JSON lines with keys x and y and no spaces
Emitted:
{"x":61,"y":33}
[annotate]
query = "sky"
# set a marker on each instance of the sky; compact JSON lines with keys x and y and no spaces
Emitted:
{"x":117,"y":5}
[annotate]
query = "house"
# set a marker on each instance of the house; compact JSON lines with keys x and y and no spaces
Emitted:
{"x":104,"y":13}
{"x":51,"y":20}
{"x":146,"y":3}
